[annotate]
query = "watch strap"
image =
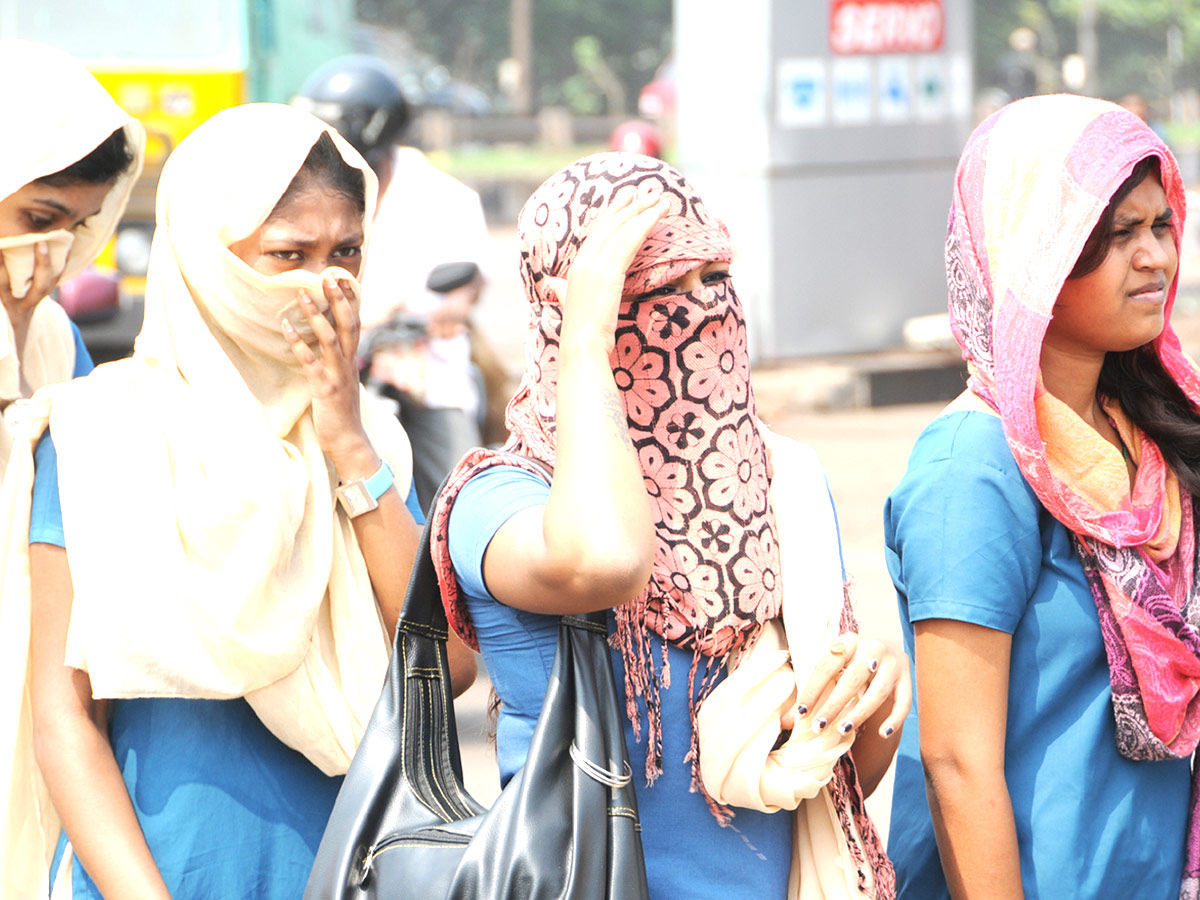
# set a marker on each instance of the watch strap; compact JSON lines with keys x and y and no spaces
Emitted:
{"x":361,"y":495}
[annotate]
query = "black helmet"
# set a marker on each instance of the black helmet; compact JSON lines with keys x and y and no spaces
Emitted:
{"x":361,"y":98}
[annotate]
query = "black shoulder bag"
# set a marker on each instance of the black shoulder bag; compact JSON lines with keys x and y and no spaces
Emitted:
{"x":565,"y":826}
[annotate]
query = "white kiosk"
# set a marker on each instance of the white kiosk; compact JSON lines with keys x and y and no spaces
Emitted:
{"x":826,"y":132}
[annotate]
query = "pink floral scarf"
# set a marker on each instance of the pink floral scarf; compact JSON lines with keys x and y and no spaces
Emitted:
{"x":683,"y":369}
{"x":1031,"y":185}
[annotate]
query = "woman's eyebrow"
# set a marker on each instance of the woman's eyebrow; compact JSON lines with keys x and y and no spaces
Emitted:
{"x":1132,"y":219}
{"x":55,"y":205}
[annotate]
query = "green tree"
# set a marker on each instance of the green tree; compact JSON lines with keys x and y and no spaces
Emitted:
{"x":1131,"y":36}
{"x":471,"y":37}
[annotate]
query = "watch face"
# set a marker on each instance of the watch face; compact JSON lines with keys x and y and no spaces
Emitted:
{"x":355,"y":498}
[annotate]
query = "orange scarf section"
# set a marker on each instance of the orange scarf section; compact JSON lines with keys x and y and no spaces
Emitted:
{"x":1095,"y":470}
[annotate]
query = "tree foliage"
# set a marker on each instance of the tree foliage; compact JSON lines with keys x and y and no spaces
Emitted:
{"x":471,"y":37}
{"x":1131,"y":35}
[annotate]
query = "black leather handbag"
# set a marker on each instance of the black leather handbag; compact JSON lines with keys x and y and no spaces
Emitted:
{"x":565,"y":826}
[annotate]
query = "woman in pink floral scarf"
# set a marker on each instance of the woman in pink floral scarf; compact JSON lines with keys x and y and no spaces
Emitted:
{"x":637,"y":394}
{"x":1043,"y":541}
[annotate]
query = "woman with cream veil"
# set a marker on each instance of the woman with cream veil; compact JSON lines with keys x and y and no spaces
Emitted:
{"x":67,"y":165}
{"x":232,"y":547}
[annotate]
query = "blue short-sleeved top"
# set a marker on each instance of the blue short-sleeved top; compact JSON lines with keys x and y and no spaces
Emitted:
{"x":83,"y":359}
{"x":688,"y":855}
{"x":46,"y":515}
{"x":967,"y":539}
{"x":226,"y":808}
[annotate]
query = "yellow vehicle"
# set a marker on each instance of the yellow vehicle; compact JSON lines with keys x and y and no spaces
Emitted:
{"x":173,"y":63}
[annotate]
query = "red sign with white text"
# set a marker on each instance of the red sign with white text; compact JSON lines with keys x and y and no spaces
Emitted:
{"x":886,"y":26}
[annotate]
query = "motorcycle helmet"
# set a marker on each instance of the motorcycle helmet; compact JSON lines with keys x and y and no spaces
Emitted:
{"x":361,"y":98}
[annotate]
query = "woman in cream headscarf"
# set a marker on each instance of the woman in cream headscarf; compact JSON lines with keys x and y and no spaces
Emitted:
{"x":209,"y":557}
{"x":68,"y":161}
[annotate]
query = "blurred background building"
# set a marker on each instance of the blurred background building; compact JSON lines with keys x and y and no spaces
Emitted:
{"x":825,"y":131}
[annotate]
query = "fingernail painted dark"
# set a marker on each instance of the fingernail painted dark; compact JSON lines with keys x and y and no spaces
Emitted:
{"x":845,"y":727}
{"x":802,"y":710}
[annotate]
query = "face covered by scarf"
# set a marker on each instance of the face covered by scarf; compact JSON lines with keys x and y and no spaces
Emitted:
{"x":194,"y":470}
{"x":683,"y":370}
{"x":1031,"y":185}
{"x":48,"y":128}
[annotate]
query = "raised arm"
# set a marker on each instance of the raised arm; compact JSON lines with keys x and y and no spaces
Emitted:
{"x":388,"y":535}
{"x":592,"y":545}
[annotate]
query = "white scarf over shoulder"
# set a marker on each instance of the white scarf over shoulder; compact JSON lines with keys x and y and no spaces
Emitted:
{"x":208,"y":556}
{"x":51,"y":125}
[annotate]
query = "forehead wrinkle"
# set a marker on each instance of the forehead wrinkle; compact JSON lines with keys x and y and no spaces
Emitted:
{"x":1135,"y":218}
{"x":290,"y":233}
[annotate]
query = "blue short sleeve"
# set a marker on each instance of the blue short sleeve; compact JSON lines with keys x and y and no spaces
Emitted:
{"x":485,"y":503}
{"x":83,"y":359}
{"x":518,"y":646}
{"x":962,"y":528}
{"x":414,"y":505}
{"x":45,"y":519}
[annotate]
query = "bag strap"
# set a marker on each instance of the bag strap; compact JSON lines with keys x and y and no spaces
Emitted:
{"x":423,"y":611}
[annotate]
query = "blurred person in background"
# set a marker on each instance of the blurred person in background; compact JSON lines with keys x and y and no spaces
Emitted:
{"x":217,"y":542}
{"x":68,"y":161}
{"x":427,"y":221}
{"x":1043,"y":539}
{"x":636,"y":136}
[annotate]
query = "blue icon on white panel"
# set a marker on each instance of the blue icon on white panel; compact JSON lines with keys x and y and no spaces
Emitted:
{"x":803,"y":84}
{"x":852,"y":91}
{"x":895,"y":89}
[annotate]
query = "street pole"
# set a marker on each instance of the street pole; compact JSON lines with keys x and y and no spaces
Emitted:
{"x":521,"y":49}
{"x":1085,"y":39}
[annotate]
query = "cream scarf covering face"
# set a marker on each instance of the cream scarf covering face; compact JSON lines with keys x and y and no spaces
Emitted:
{"x":54,"y":125}
{"x":208,"y":556}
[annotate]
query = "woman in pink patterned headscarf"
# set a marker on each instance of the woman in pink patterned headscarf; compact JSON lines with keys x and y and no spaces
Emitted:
{"x":637,"y":395}
{"x":1043,"y":541}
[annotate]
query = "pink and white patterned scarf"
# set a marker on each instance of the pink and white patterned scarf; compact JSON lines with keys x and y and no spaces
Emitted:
{"x":1032,"y":183}
{"x":683,"y":369}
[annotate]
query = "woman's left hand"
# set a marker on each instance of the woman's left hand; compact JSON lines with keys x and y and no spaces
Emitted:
{"x":853,"y":679}
{"x":332,"y":372}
